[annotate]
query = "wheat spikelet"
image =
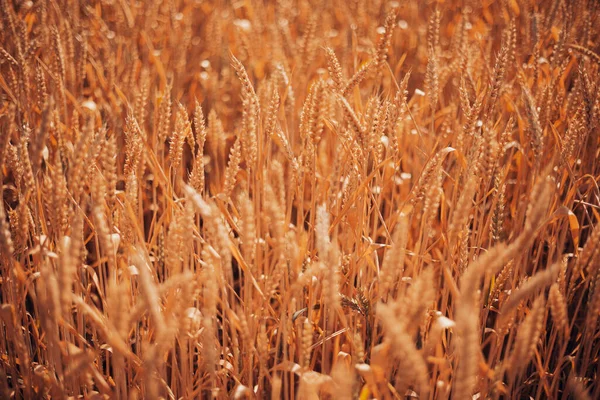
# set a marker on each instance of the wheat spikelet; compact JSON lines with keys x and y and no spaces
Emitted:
{"x":108,"y":161}
{"x":233,"y":167}
{"x":180,"y":133}
{"x":248,"y":227}
{"x":432,"y":78}
{"x":385,"y":40}
{"x":430,"y":170}
{"x":308,"y":46}
{"x":357,"y":78}
{"x":463,"y":205}
{"x":335,"y":69}
{"x":585,"y":51}
{"x":590,"y":250}
{"x":535,"y":284}
{"x":593,"y":302}
{"x":498,"y":74}
{"x":404,"y":350}
{"x":535,"y":128}
{"x":164,"y":117}
{"x":558,"y":306}
{"x":271,"y":117}
{"x":528,"y":336}
{"x":393,"y":262}
{"x":307,"y":340}
{"x":467,"y":317}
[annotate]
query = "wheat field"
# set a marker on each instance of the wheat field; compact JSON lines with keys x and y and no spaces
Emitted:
{"x":298,"y":199}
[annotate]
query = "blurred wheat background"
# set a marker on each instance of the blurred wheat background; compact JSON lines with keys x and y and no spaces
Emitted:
{"x":299,"y":199}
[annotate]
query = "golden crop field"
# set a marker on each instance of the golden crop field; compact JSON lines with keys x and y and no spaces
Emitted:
{"x":299,"y":199}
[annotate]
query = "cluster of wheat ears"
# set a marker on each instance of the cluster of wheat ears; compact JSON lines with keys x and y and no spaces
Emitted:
{"x":299,"y":199}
